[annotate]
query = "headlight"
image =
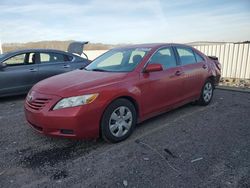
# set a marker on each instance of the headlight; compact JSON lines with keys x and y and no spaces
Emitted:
{"x":75,"y":101}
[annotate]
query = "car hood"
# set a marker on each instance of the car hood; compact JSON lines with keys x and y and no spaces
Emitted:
{"x":77,"y":82}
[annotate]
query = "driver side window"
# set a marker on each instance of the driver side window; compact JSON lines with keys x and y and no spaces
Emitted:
{"x":16,"y":60}
{"x":165,"y":57}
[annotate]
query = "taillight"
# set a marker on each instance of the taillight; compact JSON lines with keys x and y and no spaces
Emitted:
{"x":216,"y":61}
{"x":218,"y":65}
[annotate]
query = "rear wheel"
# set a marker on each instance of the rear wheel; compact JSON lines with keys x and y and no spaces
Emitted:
{"x":206,"y":93}
{"x":118,"y":120}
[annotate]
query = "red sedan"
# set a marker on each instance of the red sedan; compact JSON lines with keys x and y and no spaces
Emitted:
{"x":120,"y":88}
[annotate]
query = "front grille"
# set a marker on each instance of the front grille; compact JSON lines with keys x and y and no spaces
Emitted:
{"x":37,"y":104}
{"x":66,"y":131}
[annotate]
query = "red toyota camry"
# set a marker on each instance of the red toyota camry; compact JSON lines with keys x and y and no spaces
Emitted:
{"x":120,"y":88}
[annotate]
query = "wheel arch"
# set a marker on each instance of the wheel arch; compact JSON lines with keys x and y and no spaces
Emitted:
{"x":129,"y":98}
{"x":212,"y":79}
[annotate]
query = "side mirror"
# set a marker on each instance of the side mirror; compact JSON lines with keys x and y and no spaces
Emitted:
{"x":153,"y":68}
{"x":2,"y":66}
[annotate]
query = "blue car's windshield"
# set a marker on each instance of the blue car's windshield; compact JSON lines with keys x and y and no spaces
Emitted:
{"x":118,"y":60}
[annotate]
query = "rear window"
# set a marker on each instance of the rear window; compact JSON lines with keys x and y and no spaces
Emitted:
{"x":198,"y":57}
{"x":186,"y":55}
{"x":44,"y":57}
{"x":52,"y":57}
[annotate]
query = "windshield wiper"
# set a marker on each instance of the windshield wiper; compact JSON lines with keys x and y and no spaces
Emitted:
{"x":82,"y":68}
{"x":100,"y":70}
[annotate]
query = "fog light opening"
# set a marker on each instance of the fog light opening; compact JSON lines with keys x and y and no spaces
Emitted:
{"x":66,"y":131}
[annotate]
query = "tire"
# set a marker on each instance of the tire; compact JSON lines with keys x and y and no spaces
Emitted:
{"x":116,"y":127}
{"x":206,"y":93}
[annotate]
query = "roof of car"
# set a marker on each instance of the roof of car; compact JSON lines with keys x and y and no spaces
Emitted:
{"x":16,"y":52}
{"x":36,"y":50}
{"x":151,"y":45}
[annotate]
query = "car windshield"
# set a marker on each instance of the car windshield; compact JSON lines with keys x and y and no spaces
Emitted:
{"x":118,"y":60}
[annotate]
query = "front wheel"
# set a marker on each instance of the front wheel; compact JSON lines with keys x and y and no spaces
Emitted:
{"x":206,"y":93}
{"x":118,"y":120}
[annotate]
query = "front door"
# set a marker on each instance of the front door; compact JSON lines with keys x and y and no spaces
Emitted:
{"x":19,"y":75}
{"x":162,"y":89}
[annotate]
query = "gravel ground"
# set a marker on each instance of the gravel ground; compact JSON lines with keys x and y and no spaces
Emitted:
{"x":191,"y":146}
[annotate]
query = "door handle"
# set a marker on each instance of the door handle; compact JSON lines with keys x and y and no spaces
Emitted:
{"x":66,"y":66}
{"x":204,"y":66}
{"x":178,"y":73}
{"x":33,"y":70}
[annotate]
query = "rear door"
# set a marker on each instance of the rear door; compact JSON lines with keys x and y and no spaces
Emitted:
{"x":52,"y":63}
{"x":19,"y":75}
{"x":162,"y":89}
{"x":195,"y":71}
{"x":78,"y":62}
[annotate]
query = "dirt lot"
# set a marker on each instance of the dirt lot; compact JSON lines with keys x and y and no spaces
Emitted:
{"x":192,"y":146}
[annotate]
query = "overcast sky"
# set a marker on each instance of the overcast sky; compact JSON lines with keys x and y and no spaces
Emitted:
{"x":125,"y":21}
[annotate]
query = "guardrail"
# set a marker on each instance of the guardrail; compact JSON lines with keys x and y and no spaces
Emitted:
{"x":235,"y":58}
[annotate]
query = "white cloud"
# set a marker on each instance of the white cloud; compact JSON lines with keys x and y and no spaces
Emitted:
{"x":119,"y":22}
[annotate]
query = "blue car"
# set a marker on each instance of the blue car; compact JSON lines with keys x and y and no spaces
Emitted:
{"x":20,"y":70}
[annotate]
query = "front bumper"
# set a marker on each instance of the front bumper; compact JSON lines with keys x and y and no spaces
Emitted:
{"x":80,"y":122}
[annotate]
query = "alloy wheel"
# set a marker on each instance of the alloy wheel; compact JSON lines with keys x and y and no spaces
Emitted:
{"x":120,"y":121}
{"x":207,"y":92}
